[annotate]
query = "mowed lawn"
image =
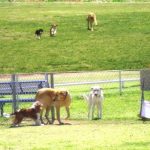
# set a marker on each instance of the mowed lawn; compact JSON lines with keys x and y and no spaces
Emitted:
{"x":120,"y":41}
{"x":81,"y":135}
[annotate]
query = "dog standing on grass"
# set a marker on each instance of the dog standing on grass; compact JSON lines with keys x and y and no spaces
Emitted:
{"x":91,"y":21}
{"x":94,"y":98}
{"x":53,"y":30}
{"x":33,"y":112}
{"x":38,"y":33}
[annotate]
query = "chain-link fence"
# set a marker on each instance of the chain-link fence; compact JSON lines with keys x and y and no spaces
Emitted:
{"x":18,"y":91}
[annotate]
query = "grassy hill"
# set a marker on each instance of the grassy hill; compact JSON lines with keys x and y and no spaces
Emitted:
{"x":120,"y":41}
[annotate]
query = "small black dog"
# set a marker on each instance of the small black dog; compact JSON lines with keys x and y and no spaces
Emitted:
{"x":38,"y":33}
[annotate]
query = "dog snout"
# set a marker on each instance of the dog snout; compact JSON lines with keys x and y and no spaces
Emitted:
{"x":96,"y":94}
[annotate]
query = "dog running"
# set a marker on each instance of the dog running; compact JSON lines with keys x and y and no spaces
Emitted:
{"x":38,"y":33}
{"x":94,"y":98}
{"x":91,"y":21}
{"x":33,"y":112}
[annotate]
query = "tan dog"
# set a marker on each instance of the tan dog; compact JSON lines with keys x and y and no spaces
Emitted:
{"x":91,"y":20}
{"x":53,"y":97}
{"x":53,"y":30}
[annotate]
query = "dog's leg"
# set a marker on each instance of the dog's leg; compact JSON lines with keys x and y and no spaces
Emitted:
{"x":88,"y":23}
{"x":91,"y":111}
{"x":41,"y":114}
{"x":91,"y":24}
{"x":58,"y":115}
{"x":53,"y":114}
{"x":99,"y":110}
{"x":17,"y":121}
{"x":68,"y":112}
{"x":47,"y":115}
{"x":38,"y":121}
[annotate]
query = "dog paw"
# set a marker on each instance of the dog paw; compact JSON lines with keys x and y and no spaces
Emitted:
{"x":61,"y":123}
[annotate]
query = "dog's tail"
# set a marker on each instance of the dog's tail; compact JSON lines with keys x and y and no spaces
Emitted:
{"x":86,"y":97}
{"x":12,"y":114}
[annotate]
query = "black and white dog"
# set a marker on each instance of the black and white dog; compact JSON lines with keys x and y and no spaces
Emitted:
{"x":38,"y":33}
{"x":94,"y":98}
{"x":53,"y":30}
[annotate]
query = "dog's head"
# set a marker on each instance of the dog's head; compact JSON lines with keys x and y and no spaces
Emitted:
{"x":54,"y":26}
{"x":37,"y":106}
{"x":61,"y":95}
{"x":96,"y":91}
{"x":41,"y":30}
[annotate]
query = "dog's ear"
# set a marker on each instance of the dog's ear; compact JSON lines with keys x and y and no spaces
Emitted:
{"x":64,"y":93}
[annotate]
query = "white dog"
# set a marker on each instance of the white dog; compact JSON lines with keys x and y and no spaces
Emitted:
{"x":95,"y":97}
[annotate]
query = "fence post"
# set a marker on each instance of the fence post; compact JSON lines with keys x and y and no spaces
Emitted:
{"x":14,"y":93}
{"x":52,"y":86}
{"x":46,"y":78}
{"x":52,"y":80}
{"x":120,"y":83}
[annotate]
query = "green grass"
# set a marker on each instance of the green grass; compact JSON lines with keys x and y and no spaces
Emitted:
{"x":80,"y":135}
{"x":120,"y":128}
{"x":120,"y":41}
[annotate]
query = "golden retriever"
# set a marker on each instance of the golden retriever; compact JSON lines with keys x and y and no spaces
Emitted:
{"x":53,"y":97}
{"x":91,"y":20}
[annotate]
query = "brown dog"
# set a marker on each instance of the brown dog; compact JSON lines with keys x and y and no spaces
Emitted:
{"x":32,"y":113}
{"x":53,"y":97}
{"x":91,"y":20}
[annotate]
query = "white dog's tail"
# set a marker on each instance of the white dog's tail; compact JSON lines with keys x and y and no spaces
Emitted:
{"x":86,"y":97}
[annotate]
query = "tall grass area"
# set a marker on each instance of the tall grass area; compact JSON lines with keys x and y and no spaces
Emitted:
{"x":120,"y":41}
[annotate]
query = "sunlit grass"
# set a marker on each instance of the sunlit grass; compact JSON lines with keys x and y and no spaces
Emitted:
{"x":120,"y":41}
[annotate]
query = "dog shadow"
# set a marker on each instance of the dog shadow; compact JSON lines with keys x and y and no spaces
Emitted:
{"x":63,"y":124}
{"x":97,"y":118}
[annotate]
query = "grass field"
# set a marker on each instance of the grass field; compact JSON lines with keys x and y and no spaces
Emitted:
{"x":120,"y":41}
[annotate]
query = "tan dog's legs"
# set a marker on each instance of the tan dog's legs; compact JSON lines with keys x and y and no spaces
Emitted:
{"x":68,"y":112}
{"x":92,"y":26}
{"x":88,"y":22}
{"x":58,"y":114}
{"x":53,"y":114}
{"x":47,"y":115}
{"x":41,"y":114}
